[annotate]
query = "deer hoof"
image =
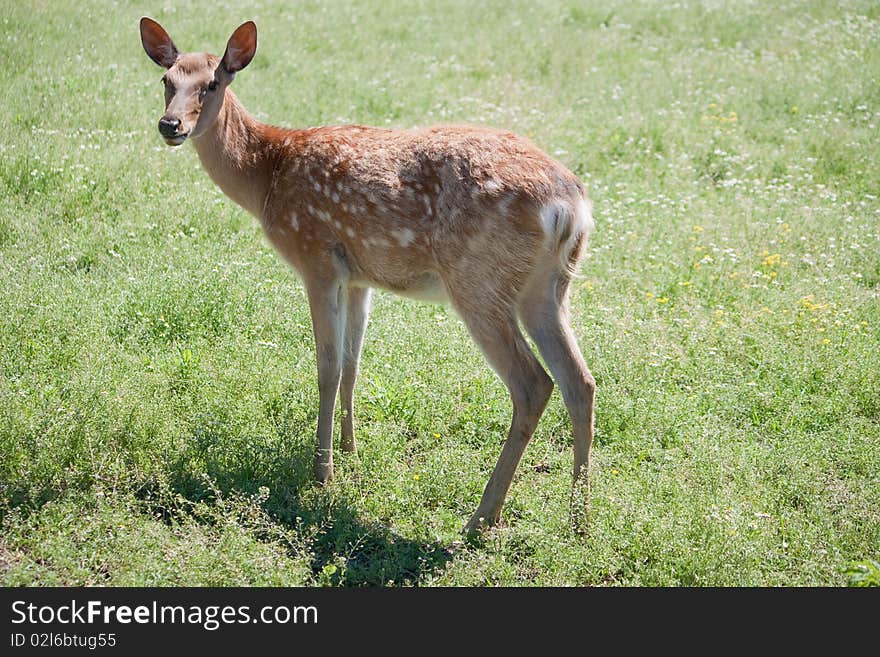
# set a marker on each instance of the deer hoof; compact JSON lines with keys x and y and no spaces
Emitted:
{"x":480,"y":522}
{"x":323,"y":471}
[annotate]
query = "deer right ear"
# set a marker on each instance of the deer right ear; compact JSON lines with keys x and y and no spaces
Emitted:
{"x":157,"y":43}
{"x":241,"y":48}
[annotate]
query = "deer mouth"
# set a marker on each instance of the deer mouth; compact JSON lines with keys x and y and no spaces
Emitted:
{"x":176,"y":140}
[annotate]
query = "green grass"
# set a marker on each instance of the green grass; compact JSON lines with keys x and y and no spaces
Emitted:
{"x":157,"y":380}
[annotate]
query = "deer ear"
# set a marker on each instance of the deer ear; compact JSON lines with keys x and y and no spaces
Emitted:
{"x":157,"y":43}
{"x":241,"y":48}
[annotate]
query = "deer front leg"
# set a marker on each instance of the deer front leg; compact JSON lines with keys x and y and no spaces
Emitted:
{"x":327,"y":301}
{"x":355,"y":325}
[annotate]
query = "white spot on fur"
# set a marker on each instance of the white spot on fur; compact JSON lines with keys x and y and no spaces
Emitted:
{"x":404,"y":236}
{"x":294,"y":222}
{"x":492,"y":185}
{"x":349,"y":231}
{"x":505,"y":202}
{"x":310,"y":210}
{"x":338,"y":224}
{"x":335,"y":197}
{"x":317,"y":186}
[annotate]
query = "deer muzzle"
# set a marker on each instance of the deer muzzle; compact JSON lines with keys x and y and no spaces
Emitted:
{"x":169,"y":128}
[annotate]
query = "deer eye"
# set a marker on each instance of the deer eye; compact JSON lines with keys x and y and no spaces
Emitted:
{"x":212,"y":85}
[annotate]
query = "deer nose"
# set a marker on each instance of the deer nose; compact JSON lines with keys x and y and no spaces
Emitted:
{"x":168,"y":126}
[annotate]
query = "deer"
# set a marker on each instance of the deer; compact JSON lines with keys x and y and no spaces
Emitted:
{"x":473,"y":217}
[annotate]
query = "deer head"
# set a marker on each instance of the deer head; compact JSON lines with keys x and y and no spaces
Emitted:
{"x":195,"y":83}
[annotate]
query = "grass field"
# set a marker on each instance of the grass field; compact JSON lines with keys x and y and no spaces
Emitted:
{"x":158,"y":396}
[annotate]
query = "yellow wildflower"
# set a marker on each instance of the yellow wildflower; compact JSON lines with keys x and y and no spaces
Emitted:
{"x":770,"y":260}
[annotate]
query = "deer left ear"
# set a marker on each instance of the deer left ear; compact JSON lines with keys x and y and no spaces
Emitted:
{"x":157,"y":43}
{"x":241,"y":48}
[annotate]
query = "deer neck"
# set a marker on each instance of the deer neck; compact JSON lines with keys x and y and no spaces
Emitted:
{"x":238,"y":156}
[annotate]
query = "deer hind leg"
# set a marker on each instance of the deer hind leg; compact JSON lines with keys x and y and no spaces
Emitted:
{"x":543,"y":309}
{"x":496,"y":332}
{"x":355,"y":324}
{"x":327,"y":300}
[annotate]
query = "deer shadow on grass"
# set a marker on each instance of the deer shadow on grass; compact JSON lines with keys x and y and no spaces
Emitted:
{"x":345,"y":548}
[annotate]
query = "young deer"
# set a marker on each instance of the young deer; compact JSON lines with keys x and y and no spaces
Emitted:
{"x":478,"y":218}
